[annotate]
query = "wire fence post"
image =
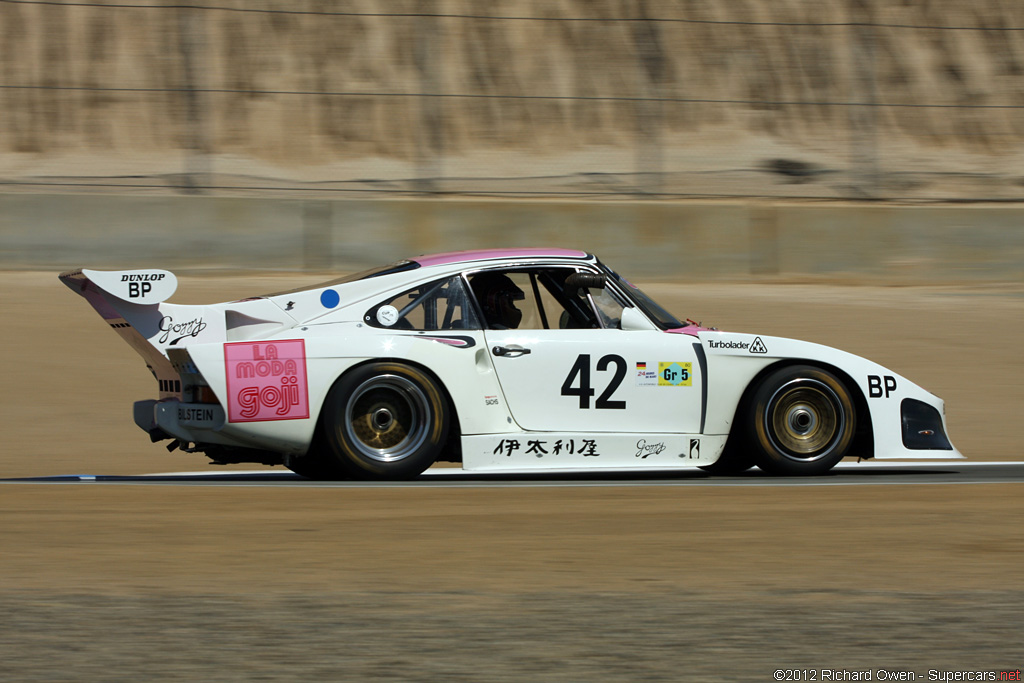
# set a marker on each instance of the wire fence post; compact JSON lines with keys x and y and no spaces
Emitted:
{"x":192,"y":43}
{"x":648,"y":110}
{"x":430,"y":135}
{"x":864,"y":103}
{"x":581,"y":94}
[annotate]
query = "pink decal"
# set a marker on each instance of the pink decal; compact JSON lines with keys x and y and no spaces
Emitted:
{"x":692,"y":330}
{"x":266,"y":380}
{"x":450,"y":341}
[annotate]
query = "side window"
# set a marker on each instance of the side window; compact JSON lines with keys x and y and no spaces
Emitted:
{"x":609,"y":309}
{"x":540,"y":300}
{"x":587,"y":307}
{"x":435,"y":306}
{"x":538,"y":314}
{"x":515,"y":299}
{"x":576,"y":311}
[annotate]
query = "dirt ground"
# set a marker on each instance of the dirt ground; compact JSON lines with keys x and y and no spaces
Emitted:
{"x":125,"y":582}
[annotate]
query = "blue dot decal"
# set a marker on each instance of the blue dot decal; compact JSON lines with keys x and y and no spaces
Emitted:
{"x":329,"y":298}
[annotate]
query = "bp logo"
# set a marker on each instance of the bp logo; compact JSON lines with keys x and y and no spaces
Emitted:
{"x":675,"y":374}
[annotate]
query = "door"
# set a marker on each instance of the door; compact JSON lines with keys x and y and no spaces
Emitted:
{"x":599,"y":380}
{"x":567,"y":367}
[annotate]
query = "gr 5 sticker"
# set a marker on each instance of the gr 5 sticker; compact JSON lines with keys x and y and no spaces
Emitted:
{"x":266,"y":380}
{"x":675,"y":374}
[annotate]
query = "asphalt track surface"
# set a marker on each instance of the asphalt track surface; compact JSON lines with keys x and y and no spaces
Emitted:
{"x":844,"y":474}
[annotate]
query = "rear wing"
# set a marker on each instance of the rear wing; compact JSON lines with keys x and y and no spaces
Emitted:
{"x":132,"y":286}
{"x":133,"y":303}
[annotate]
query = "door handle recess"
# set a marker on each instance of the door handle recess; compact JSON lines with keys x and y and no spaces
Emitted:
{"x":509,"y":351}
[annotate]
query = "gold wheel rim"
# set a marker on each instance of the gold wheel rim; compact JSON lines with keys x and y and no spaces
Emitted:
{"x":805,"y":419}
{"x":386,"y":418}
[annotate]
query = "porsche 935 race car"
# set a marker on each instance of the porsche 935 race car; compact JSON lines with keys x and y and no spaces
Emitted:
{"x":514,"y":359}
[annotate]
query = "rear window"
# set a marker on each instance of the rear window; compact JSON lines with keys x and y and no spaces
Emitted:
{"x":438,"y":305}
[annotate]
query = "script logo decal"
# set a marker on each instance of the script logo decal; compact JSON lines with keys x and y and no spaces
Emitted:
{"x":192,"y":328}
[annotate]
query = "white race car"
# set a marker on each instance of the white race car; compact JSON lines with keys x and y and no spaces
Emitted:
{"x":513,"y":359}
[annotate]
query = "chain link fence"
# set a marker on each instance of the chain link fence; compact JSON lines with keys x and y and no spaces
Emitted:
{"x":815,"y":99}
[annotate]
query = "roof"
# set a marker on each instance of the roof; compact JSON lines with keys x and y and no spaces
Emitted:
{"x":490,"y":254}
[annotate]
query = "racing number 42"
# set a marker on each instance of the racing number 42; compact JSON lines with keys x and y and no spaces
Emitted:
{"x":580,"y":373}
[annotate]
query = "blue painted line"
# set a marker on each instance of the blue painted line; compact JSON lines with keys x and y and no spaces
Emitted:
{"x":226,"y":476}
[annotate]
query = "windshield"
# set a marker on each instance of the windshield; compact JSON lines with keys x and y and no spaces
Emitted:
{"x":649,"y":306}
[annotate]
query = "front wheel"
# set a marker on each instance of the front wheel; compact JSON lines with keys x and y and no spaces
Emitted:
{"x":801,"y":421}
{"x":317,"y":466}
{"x":735,"y":460}
{"x":385,"y":420}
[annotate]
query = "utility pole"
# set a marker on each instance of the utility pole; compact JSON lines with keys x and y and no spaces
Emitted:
{"x":430,"y":132}
{"x":192,"y":43}
{"x":653,"y":69}
{"x":864,"y":113}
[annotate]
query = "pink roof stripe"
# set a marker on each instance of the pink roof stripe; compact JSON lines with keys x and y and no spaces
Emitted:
{"x":484,"y":254}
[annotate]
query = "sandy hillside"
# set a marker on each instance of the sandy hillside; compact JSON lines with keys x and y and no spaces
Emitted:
{"x":547,"y":92}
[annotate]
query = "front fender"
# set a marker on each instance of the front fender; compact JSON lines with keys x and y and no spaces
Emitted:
{"x":735,"y":361}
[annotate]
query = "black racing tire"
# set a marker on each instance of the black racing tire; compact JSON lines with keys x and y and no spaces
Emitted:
{"x":316,"y":466}
{"x":385,"y":420}
{"x":733,"y":461}
{"x":800,"y":420}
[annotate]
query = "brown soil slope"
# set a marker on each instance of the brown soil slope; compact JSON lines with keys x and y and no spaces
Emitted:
{"x":689,"y":87}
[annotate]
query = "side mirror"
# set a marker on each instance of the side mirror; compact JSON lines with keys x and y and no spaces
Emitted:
{"x":582,"y":280}
{"x":633,"y":319}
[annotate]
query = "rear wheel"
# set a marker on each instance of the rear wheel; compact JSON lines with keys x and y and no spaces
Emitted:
{"x":800,"y":421}
{"x":386,"y":421}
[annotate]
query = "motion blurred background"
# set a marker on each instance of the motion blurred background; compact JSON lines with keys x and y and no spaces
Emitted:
{"x":554,"y":104}
{"x":740,"y":146}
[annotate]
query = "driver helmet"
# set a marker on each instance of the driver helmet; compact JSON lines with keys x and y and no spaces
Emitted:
{"x":497,"y":295}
